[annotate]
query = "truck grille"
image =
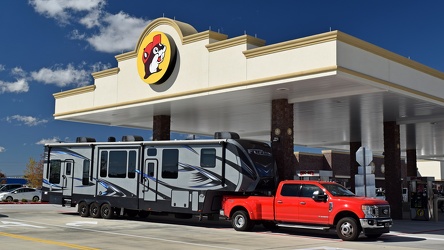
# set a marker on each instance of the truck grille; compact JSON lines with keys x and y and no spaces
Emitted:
{"x":382,"y":211}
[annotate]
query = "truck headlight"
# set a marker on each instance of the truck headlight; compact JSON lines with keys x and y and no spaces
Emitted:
{"x":370,"y":211}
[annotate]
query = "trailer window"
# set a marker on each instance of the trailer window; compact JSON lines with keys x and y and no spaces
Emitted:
{"x":55,"y":170}
{"x":117,"y":164}
{"x":103,"y":163}
{"x":170,"y":163}
{"x":68,"y":168}
{"x":151,"y":169}
{"x":151,"y":152}
{"x":132,"y":161}
{"x":208,"y":157}
{"x":86,"y":166}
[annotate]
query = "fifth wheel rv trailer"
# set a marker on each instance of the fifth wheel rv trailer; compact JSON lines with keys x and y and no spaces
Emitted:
{"x":137,"y":177}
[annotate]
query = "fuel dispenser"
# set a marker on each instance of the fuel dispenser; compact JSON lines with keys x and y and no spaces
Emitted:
{"x":421,"y":197}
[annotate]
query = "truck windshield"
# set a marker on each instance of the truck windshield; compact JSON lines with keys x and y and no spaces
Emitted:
{"x":337,"y":190}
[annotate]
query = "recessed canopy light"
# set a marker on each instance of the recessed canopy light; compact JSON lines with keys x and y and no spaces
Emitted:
{"x":282,"y":89}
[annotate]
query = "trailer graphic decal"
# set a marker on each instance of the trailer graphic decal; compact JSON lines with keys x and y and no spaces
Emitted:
{"x":68,"y":152}
{"x":179,"y":177}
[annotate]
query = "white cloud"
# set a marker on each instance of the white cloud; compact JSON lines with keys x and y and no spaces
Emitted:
{"x":111,"y":33}
{"x":2,"y":149}
{"x":92,"y":19}
{"x":18,"y":72}
{"x":76,"y":35}
{"x":99,"y":66}
{"x":27,"y":120}
{"x":50,"y":140}
{"x":62,"y":10}
{"x":118,"y":33}
{"x":62,"y":77}
{"x":2,"y":67}
{"x":21,"y":85}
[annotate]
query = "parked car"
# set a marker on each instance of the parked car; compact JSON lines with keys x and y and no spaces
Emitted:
{"x":23,"y":193}
{"x":9,"y":187}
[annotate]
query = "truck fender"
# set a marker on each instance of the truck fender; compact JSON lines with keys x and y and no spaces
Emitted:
{"x":245,"y":206}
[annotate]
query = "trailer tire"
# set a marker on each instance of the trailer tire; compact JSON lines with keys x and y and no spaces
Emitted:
{"x":106,"y":211}
{"x":348,"y":229}
{"x":83,"y":209}
{"x":94,"y":210}
{"x":131,"y":213}
{"x":241,"y":221}
{"x":143,"y":214}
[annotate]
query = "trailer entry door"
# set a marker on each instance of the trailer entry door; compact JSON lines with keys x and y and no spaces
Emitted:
{"x":149,"y":182}
{"x":67,"y":180}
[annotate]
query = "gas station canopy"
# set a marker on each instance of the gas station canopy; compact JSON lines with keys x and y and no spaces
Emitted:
{"x":342,"y":89}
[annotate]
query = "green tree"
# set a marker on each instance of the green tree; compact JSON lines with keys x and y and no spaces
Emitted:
{"x":34,"y":172}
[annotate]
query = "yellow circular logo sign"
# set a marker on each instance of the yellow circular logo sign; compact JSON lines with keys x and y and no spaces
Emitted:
{"x":156,"y":58}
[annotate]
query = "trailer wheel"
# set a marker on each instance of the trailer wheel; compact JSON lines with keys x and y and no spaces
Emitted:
{"x":241,"y":221}
{"x":83,"y":209}
{"x":107,"y":211}
{"x":348,"y":229}
{"x":94,"y":210}
{"x":143,"y":214}
{"x":131,"y":213}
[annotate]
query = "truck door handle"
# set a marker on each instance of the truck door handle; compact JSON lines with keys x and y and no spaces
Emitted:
{"x":302,"y":203}
{"x":279,"y":201}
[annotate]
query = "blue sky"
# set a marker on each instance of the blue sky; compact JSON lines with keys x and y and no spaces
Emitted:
{"x":48,"y":46}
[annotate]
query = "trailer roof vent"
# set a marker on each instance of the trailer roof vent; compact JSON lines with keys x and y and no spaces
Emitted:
{"x":132,"y":138}
{"x":85,"y":139}
{"x":111,"y":139}
{"x":226,"y":135}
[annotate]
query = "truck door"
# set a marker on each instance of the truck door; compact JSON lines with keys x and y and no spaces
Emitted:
{"x":67,"y":170}
{"x":149,"y":180}
{"x":311,"y":211}
{"x":287,"y":203}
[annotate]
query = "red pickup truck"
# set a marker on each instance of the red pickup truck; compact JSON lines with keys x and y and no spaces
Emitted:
{"x":310,"y":204}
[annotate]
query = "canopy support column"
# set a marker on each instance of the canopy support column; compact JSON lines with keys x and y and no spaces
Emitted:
{"x":282,"y":138}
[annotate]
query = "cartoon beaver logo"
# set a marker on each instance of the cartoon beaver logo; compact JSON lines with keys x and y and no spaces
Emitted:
{"x":156,"y":58}
{"x":153,"y":55}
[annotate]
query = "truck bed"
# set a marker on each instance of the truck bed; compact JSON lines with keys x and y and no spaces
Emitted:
{"x":261,"y":205}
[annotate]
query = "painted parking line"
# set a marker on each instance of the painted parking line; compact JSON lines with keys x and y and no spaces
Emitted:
{"x":17,"y":224}
{"x":130,"y":235}
{"x":49,"y":242}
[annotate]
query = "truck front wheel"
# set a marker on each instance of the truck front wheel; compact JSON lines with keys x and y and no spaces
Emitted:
{"x":348,"y":229}
{"x":241,"y":221}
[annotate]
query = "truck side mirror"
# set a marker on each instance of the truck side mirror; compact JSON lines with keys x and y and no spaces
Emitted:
{"x":319,"y":196}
